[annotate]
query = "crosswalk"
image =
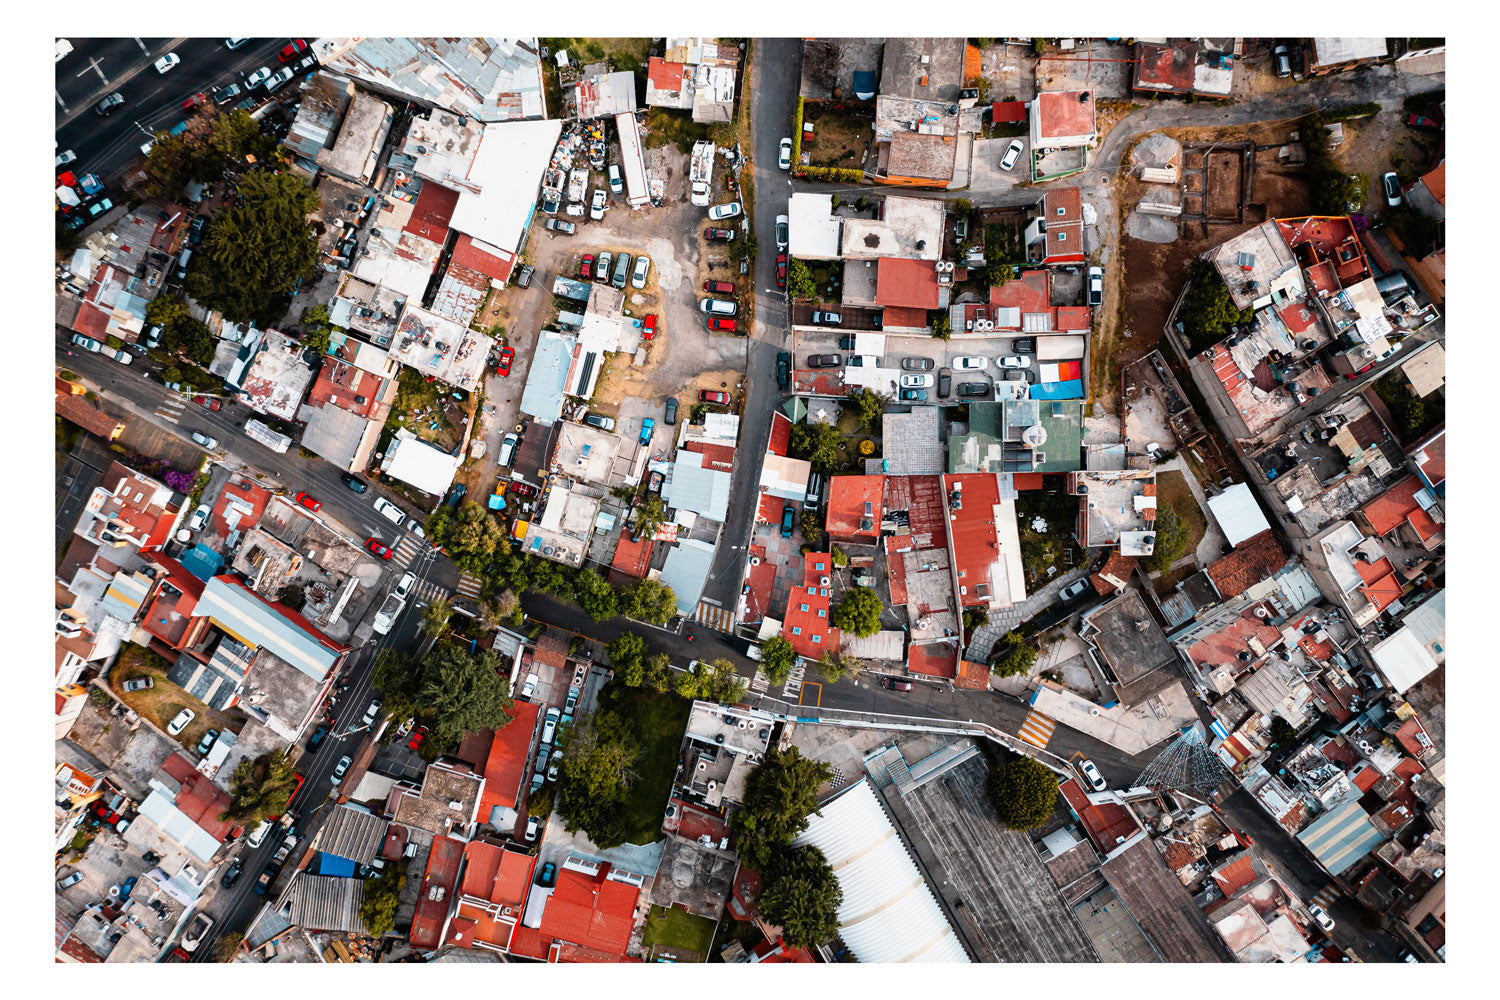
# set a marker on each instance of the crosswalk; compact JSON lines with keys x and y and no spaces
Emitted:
{"x":171,"y":408}
{"x":714,"y":617}
{"x":408,"y":547}
{"x":1037,"y":730}
{"x":1325,"y":896}
{"x":427,"y":592}
{"x":469,"y":586}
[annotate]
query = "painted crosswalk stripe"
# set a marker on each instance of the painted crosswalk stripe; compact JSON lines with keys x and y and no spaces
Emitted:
{"x":1325,"y":896}
{"x":428,"y":592}
{"x":1037,"y":730}
{"x":407,"y":549}
{"x":714,"y":617}
{"x":469,"y":586}
{"x":759,"y":682}
{"x":171,"y":408}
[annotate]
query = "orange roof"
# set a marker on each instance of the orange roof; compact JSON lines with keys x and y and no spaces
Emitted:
{"x":1366,"y":778}
{"x":632,"y":558}
{"x":975,"y":676}
{"x":1073,"y":318}
{"x":847,"y":497}
{"x":973,"y":63}
{"x":938,"y":659}
{"x":466,"y":254}
{"x":496,"y":874}
{"x":432,"y":906}
{"x":806,"y":624}
{"x":1252,"y":561}
{"x":1390,"y":510}
{"x":1436,"y":180}
{"x":1236,"y":875}
{"x":665,"y":75}
{"x":1030,"y":293}
{"x":1063,"y":115}
{"x":974,"y":545}
{"x":593,"y":912}
{"x":510,"y":749}
{"x":895,"y":316}
{"x":715,"y":456}
{"x":1382,"y":587}
{"x":781,"y":435}
{"x":910,"y":283}
{"x":432,"y":212}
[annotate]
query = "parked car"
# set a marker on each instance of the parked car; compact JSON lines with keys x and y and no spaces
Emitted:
{"x":723,"y":235}
{"x":417,"y":736}
{"x":1282,"y":61}
{"x":199,"y":517}
{"x":788,"y":518}
{"x":66,"y":157}
{"x":339,"y":769}
{"x":1096,"y":286}
{"x":223,"y":95}
{"x":1073,"y":590}
{"x":782,"y":223}
{"x":973,"y":389}
{"x":528,"y":688}
{"x":945,"y":382}
{"x":1092,"y":776}
{"x":167,"y":62}
{"x":600,"y":421}
{"x":616,"y":182}
{"x":641,"y":272}
{"x":784,"y":155}
{"x":562,"y":226}
{"x":68,"y":881}
{"x":378,"y":547}
{"x":319,"y":735}
{"x":586,"y":267}
{"x":718,"y":307}
{"x":455,"y":495}
{"x":533,"y":828}
{"x":196,"y":931}
{"x":87,"y":343}
{"x":549,"y":726}
{"x":597,"y":204}
{"x":139,"y":684}
{"x":232,"y":874}
{"x":728,"y":210}
{"x":1012,"y":154}
{"x":257,"y":78}
{"x":825,"y":361}
{"x":671,"y":415}
{"x":371,"y":712}
{"x":783,"y":370}
{"x":713,"y":396}
{"x":822,"y":318}
{"x":278,"y":80}
{"x":293,"y":50}
{"x":970,"y":363}
{"x":1013,"y":361}
{"x":180,"y":721}
{"x":622,"y":270}
{"x":1392,"y":187}
{"x":648,"y":327}
{"x":1321,"y":916}
{"x":917,"y":381}
{"x":648,"y":427}
{"x":601,"y":268}
{"x":917,"y":364}
{"x":1023,"y":345}
{"x":107,"y":105}
{"x":206,"y":744}
{"x":781,"y":266}
{"x":353,"y":482}
{"x":196,"y":101}
{"x":507,"y":355}
{"x":896,"y":684}
{"x":389,"y":511}
{"x":195,"y":231}
{"x":1423,"y":122}
{"x":267,"y":876}
{"x":719,"y":287}
{"x":526,"y":490}
{"x":507,"y":453}
{"x":914,"y":395}
{"x":723,"y":325}
{"x":547,"y":877}
{"x":308,"y":502}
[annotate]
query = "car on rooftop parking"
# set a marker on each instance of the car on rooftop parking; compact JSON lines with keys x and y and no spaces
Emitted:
{"x":970,"y":363}
{"x":915,"y":364}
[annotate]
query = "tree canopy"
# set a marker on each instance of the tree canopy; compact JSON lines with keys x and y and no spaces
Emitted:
{"x":1013,"y":655}
{"x":650,"y":601}
{"x":451,"y":690}
{"x":316,"y":328}
{"x":777,"y":657}
{"x":261,"y":787}
{"x":257,"y":252}
{"x":869,"y":405}
{"x":859,"y":612}
{"x":592,"y":783}
{"x":801,"y":893}
{"x":1023,"y":792}
{"x":1207,"y":310}
{"x":470,"y":538}
{"x":779,"y":796}
{"x":819,"y":444}
{"x":595,"y":596}
{"x":834,"y":666}
{"x":799,"y":280}
{"x":717,"y":680}
{"x":382,"y":898}
{"x":627,"y":654}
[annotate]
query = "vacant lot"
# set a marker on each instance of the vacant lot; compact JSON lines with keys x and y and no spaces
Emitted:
{"x":839,"y":139}
{"x":678,"y":934}
{"x":163,"y":700}
{"x":1172,"y":490}
{"x":656,"y":723}
{"x":1224,"y":185}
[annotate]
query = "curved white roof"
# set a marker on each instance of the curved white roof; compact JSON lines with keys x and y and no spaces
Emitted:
{"x":888,"y":914}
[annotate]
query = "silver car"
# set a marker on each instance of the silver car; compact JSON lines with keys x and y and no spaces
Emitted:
{"x":642,"y":270}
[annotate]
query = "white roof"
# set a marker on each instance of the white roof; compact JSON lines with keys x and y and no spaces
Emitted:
{"x":1239,"y":516}
{"x":1331,"y":51}
{"x":414,"y":461}
{"x":888,"y":914}
{"x":785,"y":477}
{"x":160,"y":809}
{"x":1417,"y":649}
{"x":812,"y":228}
{"x":508,"y":169}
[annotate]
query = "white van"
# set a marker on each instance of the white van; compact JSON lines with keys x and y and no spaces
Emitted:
{"x":259,"y":835}
{"x":389,"y":511}
{"x":718,"y":307}
{"x":507,"y":453}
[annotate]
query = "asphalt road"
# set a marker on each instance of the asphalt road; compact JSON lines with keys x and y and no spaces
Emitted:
{"x":98,"y":67}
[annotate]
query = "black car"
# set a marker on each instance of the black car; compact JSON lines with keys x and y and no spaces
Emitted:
{"x":455,"y":495}
{"x":945,"y":382}
{"x":266,"y":878}
{"x":1024,"y":345}
{"x":223,"y":95}
{"x":846,"y":342}
{"x":825,"y":361}
{"x":354,"y":483}
{"x":671,"y":416}
{"x":914,"y":395}
{"x":523,"y":280}
{"x":233,"y":874}
{"x":973,"y":389}
{"x":783,"y":369}
{"x":318,"y":736}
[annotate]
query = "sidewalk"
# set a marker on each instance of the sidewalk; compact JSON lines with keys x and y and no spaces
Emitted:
{"x":1130,"y":730}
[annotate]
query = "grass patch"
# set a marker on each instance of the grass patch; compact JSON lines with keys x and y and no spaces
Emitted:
{"x":656,"y":723}
{"x":1043,"y":550}
{"x":164,"y":700}
{"x":673,"y":928}
{"x":620,"y":53}
{"x":666,"y":126}
{"x":1172,"y":488}
{"x":839,"y":140}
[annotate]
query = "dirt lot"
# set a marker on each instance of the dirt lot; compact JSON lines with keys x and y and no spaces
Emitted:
{"x":161,"y":702}
{"x":1224,"y":185}
{"x":1384,"y":142}
{"x":841,"y":138}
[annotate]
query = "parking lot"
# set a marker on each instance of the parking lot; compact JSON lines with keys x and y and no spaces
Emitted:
{"x":893,"y":349}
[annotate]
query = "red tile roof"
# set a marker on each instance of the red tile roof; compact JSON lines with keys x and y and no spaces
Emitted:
{"x":1160,"y":68}
{"x":1297,"y":317}
{"x":1103,"y":823}
{"x":1252,"y":561}
{"x":761,"y":581}
{"x":1435,"y":468}
{"x":338,"y":383}
{"x":482,"y":257}
{"x":1222,"y":648}
{"x":244,"y":490}
{"x":971,"y":675}
{"x":1234,"y":876}
{"x":1008,"y":112}
{"x":1396,"y":506}
{"x":1064,"y":239}
{"x":1365,"y":778}
{"x":1030,"y":293}
{"x":1436,"y":180}
{"x":437,"y":893}
{"x":1406,"y":735}
{"x":632,"y":558}
{"x":847,"y":497}
{"x":715,"y":456}
{"x":1117,"y":566}
{"x":78,"y":410}
{"x":896,"y":568}
{"x":974,"y":545}
{"x":910,"y":283}
{"x":938,"y":659}
{"x":496,"y":874}
{"x":198,"y":798}
{"x":781,"y":435}
{"x":594,"y":912}
{"x":806,"y":622}
{"x":899,"y":316}
{"x":1382,"y":586}
{"x":432,"y":212}
{"x":510,"y":751}
{"x":1074,"y":318}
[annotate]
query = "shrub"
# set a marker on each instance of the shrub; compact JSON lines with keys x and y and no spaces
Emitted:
{"x":1013,"y":656}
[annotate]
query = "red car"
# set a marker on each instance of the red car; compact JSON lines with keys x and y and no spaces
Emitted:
{"x":194,"y":101}
{"x":417,"y":738}
{"x":707,"y":396}
{"x":781,"y":270}
{"x":181,"y":955}
{"x":293,"y":50}
{"x":521,"y":489}
{"x":648,"y":327}
{"x":206,"y":403}
{"x":379,"y":548}
{"x":308,"y":502}
{"x":586,"y":267}
{"x":507,"y":355}
{"x":725,"y":325}
{"x":719,"y":287}
{"x":1423,"y":122}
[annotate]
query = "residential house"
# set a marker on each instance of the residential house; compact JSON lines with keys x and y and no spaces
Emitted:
{"x":1355,"y":570}
{"x":1416,"y":649}
{"x":353,"y":154}
{"x":1407,"y":514}
{"x":113,"y":306}
{"x":984,"y":543}
{"x":1063,"y":127}
{"x":589,"y":916}
{"x":1429,"y":457}
{"x":1021,"y":439}
{"x":277,"y":378}
{"x":1249,"y":563}
{"x":320,"y":110}
{"x":1055,"y":235}
{"x":1116,"y":508}
{"x":840,"y":69}
{"x":806,"y":624}
{"x":446,"y":805}
{"x":505,"y":768}
{"x":179,"y":821}
{"x":349,"y":402}
{"x":697,"y":74}
{"x":854,"y":509}
{"x":491,"y":895}
{"x":70,"y":404}
{"x":420,"y":464}
{"x":1335,"y":55}
{"x":1201,"y":67}
{"x":488,"y":79}
{"x":602,"y":94}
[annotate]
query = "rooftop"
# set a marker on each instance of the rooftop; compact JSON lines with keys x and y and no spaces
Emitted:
{"x":907,"y":441}
{"x":812,"y":229}
{"x":447,"y":803}
{"x":505,"y":764}
{"x":492,"y":79}
{"x":438,"y":883}
{"x":1255,"y":264}
{"x":437,"y":346}
{"x":908,"y":228}
{"x":1063,"y":118}
{"x":1161,"y":906}
{"x":593,"y":906}
{"x":738,"y":730}
{"x":930,"y":69}
{"x":360,"y":139}
{"x":854,"y":507}
{"x":983,"y":541}
{"x":806,"y":624}
{"x":908,"y":283}
{"x":419,"y":463}
{"x":1117,"y":507}
{"x":504,"y":179}
{"x":1128,"y":638}
{"x":1252,"y":561}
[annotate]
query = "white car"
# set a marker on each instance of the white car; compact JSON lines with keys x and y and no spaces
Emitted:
{"x":596,"y":205}
{"x":257,"y":78}
{"x":167,"y":62}
{"x":87,"y":343}
{"x":616,"y":183}
{"x":66,"y":157}
{"x":1095,"y":779}
{"x":121,"y":356}
{"x":642,"y":271}
{"x":180,"y":722}
{"x":389,"y":511}
{"x":1013,"y":361}
{"x":532,"y":826}
{"x":785,"y":158}
{"x":529,"y":687}
{"x":193,"y":936}
{"x":1096,"y":286}
{"x":968,"y":363}
{"x":275,"y":82}
{"x":404,"y":587}
{"x":1321,"y":916}
{"x":782,"y":231}
{"x":1012,"y":154}
{"x":205,"y":440}
{"x":372,"y":712}
{"x":63,"y":48}
{"x":916,"y":381}
{"x":339,"y":769}
{"x":199,"y":517}
{"x":1392,"y":185}
{"x":727,"y":211}
{"x":258,"y":837}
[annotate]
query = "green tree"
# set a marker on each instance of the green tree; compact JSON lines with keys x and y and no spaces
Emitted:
{"x":439,"y":525}
{"x":812,"y":527}
{"x":779,"y":797}
{"x":1207,"y":310}
{"x":651,"y":601}
{"x":659,"y":673}
{"x":716,"y":680}
{"x":316,"y":328}
{"x":591,"y":786}
{"x":650,"y":514}
{"x":472,"y":538}
{"x":859,"y":612}
{"x":260,"y":788}
{"x":541,"y":802}
{"x":820,"y":444}
{"x":1013,"y":655}
{"x":870,"y":406}
{"x":801,"y":893}
{"x":595,"y":596}
{"x":627,"y":654}
{"x":398,"y":675}
{"x":382,"y":899}
{"x":1023,"y":792}
{"x":435,"y":617}
{"x":799,"y":280}
{"x":227,"y":945}
{"x":294,"y":597}
{"x":976,"y":617}
{"x":190,"y":336}
{"x":777,"y":657}
{"x":963,"y":208}
{"x":1171,"y":539}
{"x":461,"y":691}
{"x":165,"y":310}
{"x":1282,"y":732}
{"x":834,"y":666}
{"x":258,"y":251}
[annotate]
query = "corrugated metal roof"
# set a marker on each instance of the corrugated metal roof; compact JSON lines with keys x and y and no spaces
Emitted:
{"x":1341,"y":836}
{"x":550,"y":359}
{"x":1238,"y":514}
{"x":685,"y":571}
{"x":889,"y":914}
{"x":695,"y":488}
{"x":352,"y":833}
{"x":492,"y":79}
{"x":327,"y":903}
{"x":251,"y":620}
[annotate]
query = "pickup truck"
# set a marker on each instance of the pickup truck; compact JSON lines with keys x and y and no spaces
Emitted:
{"x":647,"y":426}
{"x":386,"y":617}
{"x":268,"y":876}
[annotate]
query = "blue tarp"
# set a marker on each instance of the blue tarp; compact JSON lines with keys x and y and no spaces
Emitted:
{"x":864,"y":84}
{"x":1071,"y":389}
{"x":203,"y":562}
{"x":332,"y":864}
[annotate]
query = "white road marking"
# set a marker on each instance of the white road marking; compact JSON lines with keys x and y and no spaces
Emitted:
{"x":94,"y":67}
